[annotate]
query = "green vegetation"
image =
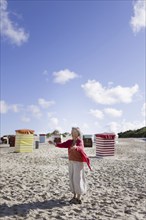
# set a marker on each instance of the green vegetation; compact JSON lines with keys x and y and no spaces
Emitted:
{"x":56,"y":132}
{"x":139,"y":133}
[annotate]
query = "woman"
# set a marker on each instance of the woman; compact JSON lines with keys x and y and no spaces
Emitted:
{"x":76,"y":156}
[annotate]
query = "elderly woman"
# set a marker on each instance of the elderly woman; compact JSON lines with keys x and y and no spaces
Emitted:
{"x":77,"y":157}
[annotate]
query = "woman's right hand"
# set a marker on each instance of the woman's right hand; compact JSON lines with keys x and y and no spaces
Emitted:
{"x":51,"y":142}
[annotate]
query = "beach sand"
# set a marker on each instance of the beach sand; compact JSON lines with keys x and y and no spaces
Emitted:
{"x":36,"y":185}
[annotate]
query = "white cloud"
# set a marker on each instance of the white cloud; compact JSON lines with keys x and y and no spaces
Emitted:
{"x":3,"y":107}
{"x":50,"y":114}
{"x":117,"y":127}
{"x":45,"y":104}
{"x":35,"y":111}
{"x":126,"y":125}
{"x":54,"y":124}
{"x":85,"y":126}
{"x":54,"y":121}
{"x":102,"y":95}
{"x":96,"y":113}
{"x":74,"y":124}
{"x":138,"y":21}
{"x":25,"y":119}
{"x":64,"y":76}
{"x":143,"y":110}
{"x":15,"y":108}
{"x":9,"y":29}
{"x":96,"y":124}
{"x":113,"y":127}
{"x":64,"y":120}
{"x":113,"y":112}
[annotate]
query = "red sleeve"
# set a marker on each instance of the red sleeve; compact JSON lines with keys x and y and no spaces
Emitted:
{"x":65,"y":144}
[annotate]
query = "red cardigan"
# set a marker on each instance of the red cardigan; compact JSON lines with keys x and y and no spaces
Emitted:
{"x":80,"y":148}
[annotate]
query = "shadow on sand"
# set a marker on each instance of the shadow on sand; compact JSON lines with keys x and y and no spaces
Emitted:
{"x":24,"y":208}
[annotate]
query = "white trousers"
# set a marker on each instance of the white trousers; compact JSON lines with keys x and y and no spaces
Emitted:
{"x":77,"y":177}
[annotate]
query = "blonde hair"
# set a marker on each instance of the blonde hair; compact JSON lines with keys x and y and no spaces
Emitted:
{"x":78,"y":130}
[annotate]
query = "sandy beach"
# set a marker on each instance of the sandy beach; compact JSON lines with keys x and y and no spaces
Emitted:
{"x":36,"y":185}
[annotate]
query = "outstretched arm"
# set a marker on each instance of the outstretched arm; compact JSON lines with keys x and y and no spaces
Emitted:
{"x":65,"y":144}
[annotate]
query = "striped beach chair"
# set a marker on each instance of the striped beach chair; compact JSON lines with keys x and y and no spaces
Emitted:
{"x":24,"y":140}
{"x":105,"y":144}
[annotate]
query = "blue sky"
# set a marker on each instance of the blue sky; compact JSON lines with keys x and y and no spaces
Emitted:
{"x":72,"y":63}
